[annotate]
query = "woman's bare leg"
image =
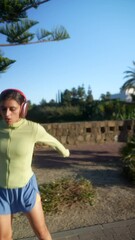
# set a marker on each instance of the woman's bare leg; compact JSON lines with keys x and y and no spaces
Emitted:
{"x":5,"y":227}
{"x":37,"y":221}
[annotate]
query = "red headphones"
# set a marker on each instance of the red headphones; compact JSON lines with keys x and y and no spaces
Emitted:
{"x":24,"y":107}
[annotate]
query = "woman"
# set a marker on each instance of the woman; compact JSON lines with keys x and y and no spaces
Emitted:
{"x":18,"y":186}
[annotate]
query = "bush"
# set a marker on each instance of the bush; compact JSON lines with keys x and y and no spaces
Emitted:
{"x":128,"y":158}
{"x":63,"y":193}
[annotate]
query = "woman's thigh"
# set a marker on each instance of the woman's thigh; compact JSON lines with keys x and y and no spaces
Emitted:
{"x":37,"y":220}
{"x":6,"y":227}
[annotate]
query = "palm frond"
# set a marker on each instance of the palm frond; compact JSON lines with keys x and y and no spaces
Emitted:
{"x":128,"y":84}
{"x":130,"y":75}
{"x":131,"y":72}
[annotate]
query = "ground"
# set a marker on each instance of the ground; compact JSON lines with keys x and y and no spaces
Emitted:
{"x":101,"y":164}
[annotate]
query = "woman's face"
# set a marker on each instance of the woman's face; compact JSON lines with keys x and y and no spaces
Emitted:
{"x":10,"y":111}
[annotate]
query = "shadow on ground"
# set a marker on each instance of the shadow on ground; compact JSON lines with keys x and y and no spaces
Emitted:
{"x":101,"y":164}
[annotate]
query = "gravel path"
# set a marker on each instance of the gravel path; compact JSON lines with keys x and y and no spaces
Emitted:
{"x":101,"y":164}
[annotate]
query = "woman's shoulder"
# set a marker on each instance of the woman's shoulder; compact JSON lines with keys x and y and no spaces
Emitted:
{"x":33,"y":124}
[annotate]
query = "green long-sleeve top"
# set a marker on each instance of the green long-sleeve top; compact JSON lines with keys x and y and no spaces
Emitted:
{"x":16,"y":151}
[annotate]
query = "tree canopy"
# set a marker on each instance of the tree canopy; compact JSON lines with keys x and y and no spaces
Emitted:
{"x":78,"y":104}
{"x":15,"y":25}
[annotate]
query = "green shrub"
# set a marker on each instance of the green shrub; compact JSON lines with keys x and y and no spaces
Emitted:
{"x":63,"y":193}
{"x":128,"y":158}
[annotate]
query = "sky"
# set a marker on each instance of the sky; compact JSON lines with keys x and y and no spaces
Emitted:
{"x":100,"y":49}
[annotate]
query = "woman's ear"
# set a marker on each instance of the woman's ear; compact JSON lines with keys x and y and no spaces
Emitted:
{"x":24,"y":109}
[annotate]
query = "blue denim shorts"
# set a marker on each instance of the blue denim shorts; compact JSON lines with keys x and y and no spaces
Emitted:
{"x":19,"y":199}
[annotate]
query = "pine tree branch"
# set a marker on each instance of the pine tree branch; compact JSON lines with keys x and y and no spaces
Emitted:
{"x":43,"y":36}
{"x":35,"y":5}
{"x":5,"y":63}
{"x":28,"y":43}
{"x":14,"y":10}
{"x":12,"y":14}
{"x":17,"y":32}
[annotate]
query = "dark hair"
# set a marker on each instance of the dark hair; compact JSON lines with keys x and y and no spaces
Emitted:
{"x":15,"y":94}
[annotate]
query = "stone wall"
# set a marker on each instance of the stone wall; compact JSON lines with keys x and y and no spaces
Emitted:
{"x":94,"y":132}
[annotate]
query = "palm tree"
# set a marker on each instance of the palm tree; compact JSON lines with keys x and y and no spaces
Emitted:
{"x":130,"y":75}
